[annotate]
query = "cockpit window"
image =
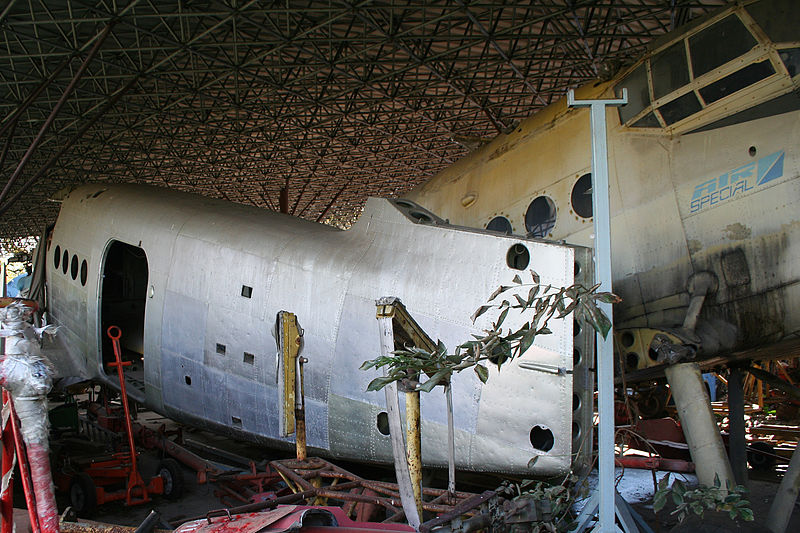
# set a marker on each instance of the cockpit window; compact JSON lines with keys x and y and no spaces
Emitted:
{"x":638,"y":93}
{"x":669,"y":70}
{"x":647,"y":121}
{"x":680,"y":108}
{"x":791,"y":58}
{"x":699,"y":78}
{"x":736,"y":81}
{"x":778,"y":18}
{"x":718,"y":44}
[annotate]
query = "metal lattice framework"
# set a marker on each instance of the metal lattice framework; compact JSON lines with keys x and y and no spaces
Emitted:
{"x":331,"y":101}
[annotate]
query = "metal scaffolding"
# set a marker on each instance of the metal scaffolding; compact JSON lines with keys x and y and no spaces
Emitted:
{"x":331,"y":101}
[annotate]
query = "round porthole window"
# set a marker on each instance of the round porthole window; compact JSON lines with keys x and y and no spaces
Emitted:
{"x":581,"y":197}
{"x":540,"y":218}
{"x":500,"y":224}
{"x":542,"y":438}
{"x":518,"y":257}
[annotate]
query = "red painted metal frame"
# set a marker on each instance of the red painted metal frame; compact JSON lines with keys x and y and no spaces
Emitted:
{"x":135,"y":489}
{"x":7,"y":497}
{"x":24,"y":469}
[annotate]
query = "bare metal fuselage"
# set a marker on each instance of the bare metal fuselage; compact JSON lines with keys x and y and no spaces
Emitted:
{"x":196,"y":285}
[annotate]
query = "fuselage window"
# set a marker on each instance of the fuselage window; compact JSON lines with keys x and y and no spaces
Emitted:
{"x":581,"y":197}
{"x":57,"y":257}
{"x":540,"y":218}
{"x":74,"y":267}
{"x":500,"y":224}
{"x":65,"y":262}
{"x":638,"y":94}
{"x":669,"y":70}
{"x":718,"y":44}
{"x":84,"y":272}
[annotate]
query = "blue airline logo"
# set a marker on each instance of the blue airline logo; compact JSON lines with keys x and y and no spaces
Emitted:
{"x":737,"y":182}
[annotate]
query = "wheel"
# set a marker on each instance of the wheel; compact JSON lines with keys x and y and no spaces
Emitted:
{"x":170,"y":473}
{"x":761,"y":456}
{"x":83,"y":495}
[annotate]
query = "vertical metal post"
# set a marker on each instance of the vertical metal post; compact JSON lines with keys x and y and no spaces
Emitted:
{"x":414,"y":445}
{"x":300,"y":412}
{"x":602,"y":258}
{"x":737,"y":444}
{"x":385,"y":313}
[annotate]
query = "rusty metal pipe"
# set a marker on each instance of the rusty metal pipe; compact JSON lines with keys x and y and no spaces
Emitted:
{"x":33,"y":96}
{"x":254,"y":507}
{"x":81,"y":132}
{"x":51,"y":118}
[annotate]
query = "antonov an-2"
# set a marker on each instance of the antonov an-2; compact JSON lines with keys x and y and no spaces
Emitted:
{"x":704,"y":178}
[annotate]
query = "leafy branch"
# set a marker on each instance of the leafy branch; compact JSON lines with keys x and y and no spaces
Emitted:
{"x":697,"y":501}
{"x":422,"y":370}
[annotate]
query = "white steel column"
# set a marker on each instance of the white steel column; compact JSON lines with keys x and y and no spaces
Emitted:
{"x":602,"y":262}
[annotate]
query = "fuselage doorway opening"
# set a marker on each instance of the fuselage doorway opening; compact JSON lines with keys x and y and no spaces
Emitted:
{"x":123,"y":300}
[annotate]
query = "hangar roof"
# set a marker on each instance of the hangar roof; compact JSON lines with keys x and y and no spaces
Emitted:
{"x":334,"y":101}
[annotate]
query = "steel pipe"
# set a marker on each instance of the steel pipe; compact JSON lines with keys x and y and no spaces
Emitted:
{"x":699,"y":424}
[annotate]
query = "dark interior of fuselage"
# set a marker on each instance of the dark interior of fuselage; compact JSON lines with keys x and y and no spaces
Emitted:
{"x":123,"y":298}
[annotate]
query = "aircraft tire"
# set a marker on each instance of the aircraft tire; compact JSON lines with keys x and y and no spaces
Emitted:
{"x":761,"y":456}
{"x":83,"y":495}
{"x":170,"y":472}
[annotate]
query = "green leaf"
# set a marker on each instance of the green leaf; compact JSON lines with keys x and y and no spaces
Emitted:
{"x":659,"y":501}
{"x":517,"y":280}
{"x":501,"y":318}
{"x":607,"y":298}
{"x":379,"y":383}
{"x":483,"y":373}
{"x":676,"y":498}
{"x":366,"y":365}
{"x":533,"y":461}
{"x":527,"y":340}
{"x":497,"y":292}
{"x":679,"y":487}
{"x":532,"y":294}
{"x":441,"y":349}
{"x":436,"y":379}
{"x":747,"y":514}
{"x":535,"y":277}
{"x":663,"y":483}
{"x":717,"y":482}
{"x":697,"y":508}
{"x":544,"y":331}
{"x":521,"y":301}
{"x":482,"y":309}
